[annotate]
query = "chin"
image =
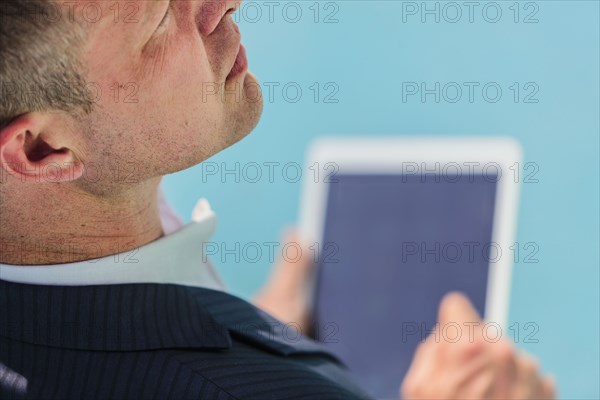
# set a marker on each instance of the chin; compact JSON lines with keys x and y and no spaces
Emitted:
{"x":250,"y":111}
{"x":241,"y":119}
{"x":245,"y":125}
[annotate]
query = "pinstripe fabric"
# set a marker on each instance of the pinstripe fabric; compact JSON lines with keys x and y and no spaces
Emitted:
{"x":155,"y":341}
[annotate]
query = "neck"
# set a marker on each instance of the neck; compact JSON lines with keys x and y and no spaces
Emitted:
{"x":55,"y":226}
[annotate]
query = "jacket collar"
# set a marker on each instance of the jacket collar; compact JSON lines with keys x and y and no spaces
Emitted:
{"x":131,"y":317}
{"x":108,"y":317}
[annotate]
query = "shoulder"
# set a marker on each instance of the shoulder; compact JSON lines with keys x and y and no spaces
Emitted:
{"x":244,"y":372}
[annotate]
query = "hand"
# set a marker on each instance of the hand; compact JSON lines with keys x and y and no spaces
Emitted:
{"x":471,"y":367}
{"x":285,"y":296}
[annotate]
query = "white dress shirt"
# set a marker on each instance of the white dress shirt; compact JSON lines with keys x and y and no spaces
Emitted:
{"x":175,"y":258}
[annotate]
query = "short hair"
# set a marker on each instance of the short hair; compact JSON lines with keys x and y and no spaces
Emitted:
{"x":40,"y":66}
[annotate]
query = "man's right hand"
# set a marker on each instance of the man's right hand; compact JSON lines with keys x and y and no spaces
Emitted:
{"x":471,"y":367}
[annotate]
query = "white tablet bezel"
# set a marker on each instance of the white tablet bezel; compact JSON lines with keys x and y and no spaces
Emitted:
{"x":389,"y":155}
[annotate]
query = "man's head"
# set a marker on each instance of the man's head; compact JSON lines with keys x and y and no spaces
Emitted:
{"x":144,"y":88}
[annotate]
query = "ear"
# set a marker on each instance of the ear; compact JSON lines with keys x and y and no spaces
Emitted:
{"x":34,"y":148}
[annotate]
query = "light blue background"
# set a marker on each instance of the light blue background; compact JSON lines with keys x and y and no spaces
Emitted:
{"x":368,"y":54}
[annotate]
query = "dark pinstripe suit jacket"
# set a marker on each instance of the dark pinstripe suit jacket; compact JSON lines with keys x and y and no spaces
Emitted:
{"x":159,"y":341}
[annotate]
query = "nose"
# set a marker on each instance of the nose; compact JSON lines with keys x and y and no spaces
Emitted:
{"x":212,"y":11}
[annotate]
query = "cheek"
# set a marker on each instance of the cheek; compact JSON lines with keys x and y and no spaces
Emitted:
{"x":180,"y":54}
{"x":179,"y":78}
{"x":162,"y":112}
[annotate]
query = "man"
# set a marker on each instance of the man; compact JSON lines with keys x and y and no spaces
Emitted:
{"x":100,"y":100}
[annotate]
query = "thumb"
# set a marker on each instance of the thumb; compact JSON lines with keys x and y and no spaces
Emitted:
{"x":455,"y":307}
{"x":295,"y":263}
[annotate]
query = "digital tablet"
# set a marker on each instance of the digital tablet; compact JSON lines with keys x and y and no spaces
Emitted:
{"x":397,"y":224}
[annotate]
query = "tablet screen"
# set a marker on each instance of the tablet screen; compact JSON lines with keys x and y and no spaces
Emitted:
{"x":393,"y":245}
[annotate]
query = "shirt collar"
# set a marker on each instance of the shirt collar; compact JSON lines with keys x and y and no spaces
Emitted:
{"x":176,"y":258}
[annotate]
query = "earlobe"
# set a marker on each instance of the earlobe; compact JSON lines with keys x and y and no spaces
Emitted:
{"x":27,"y":154}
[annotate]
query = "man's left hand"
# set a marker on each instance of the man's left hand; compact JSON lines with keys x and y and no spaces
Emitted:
{"x":285,"y":295}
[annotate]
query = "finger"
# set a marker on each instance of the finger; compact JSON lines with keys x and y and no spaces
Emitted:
{"x":294,"y":267}
{"x":299,"y":252}
{"x":528,"y":382}
{"x":497,"y":362}
{"x":425,"y":353}
{"x":505,"y":365}
{"x":467,"y":372}
{"x":479,"y":387}
{"x":455,"y":307}
{"x":457,"y":314}
{"x":548,"y":388}
{"x":417,"y":380}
